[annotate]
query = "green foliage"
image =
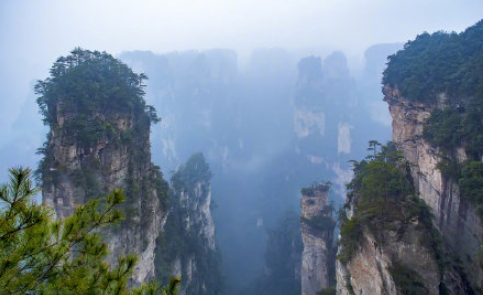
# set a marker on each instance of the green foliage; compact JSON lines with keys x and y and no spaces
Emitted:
{"x":350,"y":236}
{"x":471,"y":184}
{"x":316,"y":186}
{"x":86,"y":85}
{"x":451,"y":64}
{"x":195,"y":170}
{"x":383,"y":198}
{"x":89,"y":84}
{"x":92,"y":98}
{"x":41,"y":255}
{"x":320,"y":222}
{"x":324,"y":220}
{"x":439,"y":63}
{"x":457,"y":127}
{"x":453,"y":128}
{"x":408,"y":281}
{"x":444,"y":128}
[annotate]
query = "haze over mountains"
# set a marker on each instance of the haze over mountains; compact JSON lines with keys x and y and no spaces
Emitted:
{"x":275,"y":97}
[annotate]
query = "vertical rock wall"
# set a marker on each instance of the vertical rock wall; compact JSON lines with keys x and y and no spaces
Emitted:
{"x":316,"y":240}
{"x":457,"y":220}
{"x":369,"y":269}
{"x":189,"y":233}
{"x":77,"y":173}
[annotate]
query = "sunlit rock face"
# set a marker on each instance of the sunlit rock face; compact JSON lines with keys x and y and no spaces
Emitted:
{"x":317,"y":241}
{"x":457,"y":220}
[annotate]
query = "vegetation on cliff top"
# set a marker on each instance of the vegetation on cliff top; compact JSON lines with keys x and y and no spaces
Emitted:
{"x":383,"y":199}
{"x":378,"y":193}
{"x":195,"y":170}
{"x":316,"y":186}
{"x":87,"y":93}
{"x":91,"y":97}
{"x":43,"y":255}
{"x":90,"y":83}
{"x":437,"y":63}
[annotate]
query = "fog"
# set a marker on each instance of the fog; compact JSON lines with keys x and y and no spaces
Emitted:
{"x":275,"y":94}
{"x":34,"y":33}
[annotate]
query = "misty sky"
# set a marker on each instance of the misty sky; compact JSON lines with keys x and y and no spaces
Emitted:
{"x":35,"y":32}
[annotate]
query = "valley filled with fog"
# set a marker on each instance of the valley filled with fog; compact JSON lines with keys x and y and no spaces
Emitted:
{"x":278,"y":102}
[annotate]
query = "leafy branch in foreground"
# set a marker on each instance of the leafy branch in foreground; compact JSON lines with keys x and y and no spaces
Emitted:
{"x":42,"y":255}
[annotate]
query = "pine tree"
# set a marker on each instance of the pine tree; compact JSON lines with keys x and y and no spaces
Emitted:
{"x":43,"y":255}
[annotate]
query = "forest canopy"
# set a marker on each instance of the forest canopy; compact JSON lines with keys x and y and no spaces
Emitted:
{"x":437,"y":63}
{"x":90,"y":82}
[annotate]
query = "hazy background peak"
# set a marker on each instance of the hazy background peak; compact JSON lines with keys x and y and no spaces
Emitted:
{"x":34,"y":33}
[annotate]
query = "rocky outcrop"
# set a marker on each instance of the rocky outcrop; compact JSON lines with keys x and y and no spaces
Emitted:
{"x":79,"y":173}
{"x":99,"y":140}
{"x":199,"y":217}
{"x":388,"y":243}
{"x":189,"y":232}
{"x":371,"y":269}
{"x":460,"y":227}
{"x":317,"y":228}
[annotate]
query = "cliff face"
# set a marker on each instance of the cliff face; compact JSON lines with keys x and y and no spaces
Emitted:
{"x":460,"y":226}
{"x":104,"y":167}
{"x":189,"y":233}
{"x":317,"y":236}
{"x":388,"y":244}
{"x":99,"y":141}
{"x":198,"y":219}
{"x":371,"y":269}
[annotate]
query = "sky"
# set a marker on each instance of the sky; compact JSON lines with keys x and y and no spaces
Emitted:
{"x":34,"y":33}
